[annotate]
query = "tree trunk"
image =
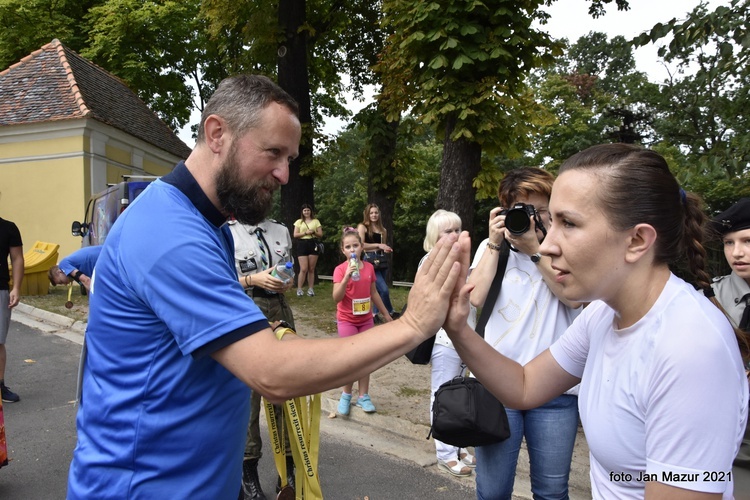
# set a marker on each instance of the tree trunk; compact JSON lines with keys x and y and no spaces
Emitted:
{"x":294,"y":78}
{"x":460,"y":165}
{"x":383,"y":194}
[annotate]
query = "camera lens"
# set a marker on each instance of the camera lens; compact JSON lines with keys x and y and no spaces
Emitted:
{"x":517,"y":221}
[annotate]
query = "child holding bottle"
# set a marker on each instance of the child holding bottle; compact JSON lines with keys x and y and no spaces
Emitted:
{"x":354,"y":298}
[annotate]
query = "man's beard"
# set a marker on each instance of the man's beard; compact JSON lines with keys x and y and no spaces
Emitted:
{"x":247,"y":201}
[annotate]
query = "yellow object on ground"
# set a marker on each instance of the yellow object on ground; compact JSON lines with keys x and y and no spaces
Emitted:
{"x":36,"y":265}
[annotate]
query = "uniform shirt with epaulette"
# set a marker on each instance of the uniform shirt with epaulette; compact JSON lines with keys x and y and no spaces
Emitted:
{"x":733,"y":293}
{"x":248,"y":257}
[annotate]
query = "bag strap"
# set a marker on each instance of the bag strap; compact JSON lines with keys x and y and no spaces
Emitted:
{"x":494,"y":291}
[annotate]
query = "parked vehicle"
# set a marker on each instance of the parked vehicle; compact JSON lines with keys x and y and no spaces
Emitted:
{"x":103,"y":209}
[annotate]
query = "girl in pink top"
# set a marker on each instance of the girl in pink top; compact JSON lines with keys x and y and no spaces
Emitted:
{"x":354,"y":308}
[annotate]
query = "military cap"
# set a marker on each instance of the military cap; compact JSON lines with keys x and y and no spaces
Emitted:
{"x":734,"y":218}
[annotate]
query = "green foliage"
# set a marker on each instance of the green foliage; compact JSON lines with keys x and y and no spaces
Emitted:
{"x":342,"y":192}
{"x":135,"y":41}
{"x":29,"y":24}
{"x":597,"y":7}
{"x":466,"y":59}
{"x":594,"y":95}
{"x":703,"y":104}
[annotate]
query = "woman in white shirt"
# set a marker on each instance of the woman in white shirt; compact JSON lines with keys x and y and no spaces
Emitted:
{"x":663,"y":396}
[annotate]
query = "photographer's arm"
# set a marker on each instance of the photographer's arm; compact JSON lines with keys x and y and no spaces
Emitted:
{"x":481,"y":276}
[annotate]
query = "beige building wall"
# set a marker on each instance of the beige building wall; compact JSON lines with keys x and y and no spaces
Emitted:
{"x":49,"y":171}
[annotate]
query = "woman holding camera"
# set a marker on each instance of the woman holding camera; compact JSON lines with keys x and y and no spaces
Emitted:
{"x":529,"y":315}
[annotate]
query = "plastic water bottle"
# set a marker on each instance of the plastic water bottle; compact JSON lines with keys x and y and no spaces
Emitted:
{"x":284,"y":271}
{"x":354,"y":262}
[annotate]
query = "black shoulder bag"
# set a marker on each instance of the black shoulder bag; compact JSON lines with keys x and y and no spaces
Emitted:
{"x":464,"y":413}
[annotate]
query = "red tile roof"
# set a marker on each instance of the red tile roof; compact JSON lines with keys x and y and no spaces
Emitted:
{"x":54,"y":83}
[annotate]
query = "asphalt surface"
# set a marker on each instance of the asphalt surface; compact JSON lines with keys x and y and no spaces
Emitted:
{"x":357,"y":460}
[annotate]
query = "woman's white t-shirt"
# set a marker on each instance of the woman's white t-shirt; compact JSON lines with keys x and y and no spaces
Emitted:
{"x":664,"y":399}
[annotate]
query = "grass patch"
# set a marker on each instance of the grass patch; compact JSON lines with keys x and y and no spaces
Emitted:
{"x":55,"y":301}
{"x":409,"y":392}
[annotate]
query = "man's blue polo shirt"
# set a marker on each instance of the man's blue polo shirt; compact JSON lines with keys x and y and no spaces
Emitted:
{"x":159,"y":418}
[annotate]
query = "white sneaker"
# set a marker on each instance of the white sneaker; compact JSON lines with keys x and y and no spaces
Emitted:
{"x":311,"y":292}
{"x":300,"y":293}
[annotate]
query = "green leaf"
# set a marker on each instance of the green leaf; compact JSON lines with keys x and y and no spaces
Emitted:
{"x":460,"y":61}
{"x":450,"y":43}
{"x":438,"y":62}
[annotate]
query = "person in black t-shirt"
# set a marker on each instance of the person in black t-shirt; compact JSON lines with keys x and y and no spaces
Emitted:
{"x":10,"y":244}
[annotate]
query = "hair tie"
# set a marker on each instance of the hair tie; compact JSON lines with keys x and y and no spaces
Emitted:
{"x":349,"y":229}
{"x":683,"y":197}
{"x":709,"y":292}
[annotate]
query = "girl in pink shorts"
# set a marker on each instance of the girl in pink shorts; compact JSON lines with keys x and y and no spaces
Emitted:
{"x":354,"y":308}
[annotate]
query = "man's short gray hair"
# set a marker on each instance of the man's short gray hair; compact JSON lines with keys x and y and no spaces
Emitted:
{"x":240,"y":99}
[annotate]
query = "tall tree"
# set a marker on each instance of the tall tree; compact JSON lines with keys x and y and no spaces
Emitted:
{"x":29,"y":24}
{"x":135,"y":41}
{"x":306,"y":38}
{"x":294,"y":78}
{"x":461,"y":65}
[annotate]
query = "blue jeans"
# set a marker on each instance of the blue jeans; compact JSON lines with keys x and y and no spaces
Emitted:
{"x":550,"y":432}
{"x":382,"y":287}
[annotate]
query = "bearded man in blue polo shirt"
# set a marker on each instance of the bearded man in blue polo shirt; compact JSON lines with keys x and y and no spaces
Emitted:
{"x":173,"y":341}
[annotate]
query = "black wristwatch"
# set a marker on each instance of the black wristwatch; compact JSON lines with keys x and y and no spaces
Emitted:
{"x":535,"y":258}
{"x":283,"y":324}
{"x":76,"y":275}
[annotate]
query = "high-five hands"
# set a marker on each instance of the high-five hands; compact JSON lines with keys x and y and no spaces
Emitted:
{"x":438,"y":284}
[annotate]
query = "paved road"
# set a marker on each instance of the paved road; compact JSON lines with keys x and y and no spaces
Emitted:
{"x":41,"y":435}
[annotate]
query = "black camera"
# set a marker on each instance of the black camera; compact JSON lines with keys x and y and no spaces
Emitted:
{"x":518,"y":218}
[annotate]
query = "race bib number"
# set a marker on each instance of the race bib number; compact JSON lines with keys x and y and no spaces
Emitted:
{"x":360,"y":306}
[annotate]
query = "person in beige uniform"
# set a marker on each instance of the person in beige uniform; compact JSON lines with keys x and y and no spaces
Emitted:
{"x":257,"y":249}
{"x":733,"y":293}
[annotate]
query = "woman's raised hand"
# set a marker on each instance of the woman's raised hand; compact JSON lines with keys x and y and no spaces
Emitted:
{"x":459,"y":305}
